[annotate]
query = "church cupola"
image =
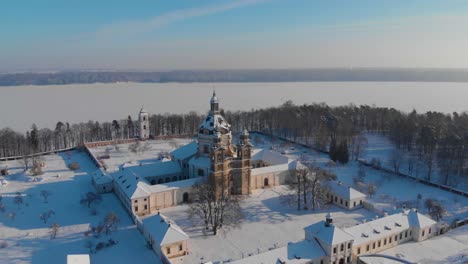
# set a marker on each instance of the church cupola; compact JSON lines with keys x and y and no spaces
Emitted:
{"x":328,"y":220}
{"x":214,"y":104}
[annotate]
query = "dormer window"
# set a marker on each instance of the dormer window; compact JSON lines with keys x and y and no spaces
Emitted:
{"x":387,"y":228}
{"x":364,"y":235}
{"x":376,"y":231}
{"x":397,"y":224}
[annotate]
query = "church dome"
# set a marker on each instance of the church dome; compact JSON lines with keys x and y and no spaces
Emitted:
{"x":214,"y":99}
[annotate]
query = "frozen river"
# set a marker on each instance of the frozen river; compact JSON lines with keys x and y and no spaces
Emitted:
{"x":20,"y":106}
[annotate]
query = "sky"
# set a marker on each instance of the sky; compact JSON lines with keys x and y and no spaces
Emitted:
{"x":48,"y":35}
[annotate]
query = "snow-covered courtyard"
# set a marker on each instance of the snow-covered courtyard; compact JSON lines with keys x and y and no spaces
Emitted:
{"x":267,"y":223}
{"x":25,"y":238}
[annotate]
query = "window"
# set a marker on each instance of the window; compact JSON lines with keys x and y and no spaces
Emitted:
{"x":429,"y":230}
{"x":410,"y":233}
{"x":342,"y":247}
{"x":180,"y":247}
{"x":401,"y":235}
{"x":348,"y":259}
{"x":385,"y":241}
{"x":136,"y":208}
{"x":334,"y":250}
{"x":341,"y":200}
{"x":144,"y":199}
{"x":368,"y":247}
{"x":406,"y":233}
{"x":354,"y":204}
{"x":144,"y":118}
{"x":168,"y":250}
{"x":201,"y":172}
{"x":206,"y":149}
{"x":336,"y":199}
{"x":349,"y":245}
{"x":135,"y":201}
{"x":423,"y":233}
{"x":373,"y":245}
{"x":144,"y":126}
{"x":390,"y":240}
{"x":379,"y":244}
{"x":396,"y":237}
{"x":146,"y":207}
{"x":359,"y":250}
{"x":346,"y":203}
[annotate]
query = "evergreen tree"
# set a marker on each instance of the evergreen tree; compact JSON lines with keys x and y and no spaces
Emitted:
{"x":34,"y":138}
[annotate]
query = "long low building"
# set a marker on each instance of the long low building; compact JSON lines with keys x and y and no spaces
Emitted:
{"x":326,"y":243}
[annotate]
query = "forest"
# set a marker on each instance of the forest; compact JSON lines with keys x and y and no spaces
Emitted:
{"x":437,"y":140}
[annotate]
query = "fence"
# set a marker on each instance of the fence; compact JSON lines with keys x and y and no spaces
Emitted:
{"x":37,"y":154}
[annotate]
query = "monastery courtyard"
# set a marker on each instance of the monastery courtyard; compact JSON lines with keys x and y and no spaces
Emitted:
{"x":267,"y":220}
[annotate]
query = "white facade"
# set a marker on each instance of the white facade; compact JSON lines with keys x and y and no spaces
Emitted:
{"x":143,"y":124}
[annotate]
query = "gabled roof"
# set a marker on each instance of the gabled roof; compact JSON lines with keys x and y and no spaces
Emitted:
{"x":330,"y":235}
{"x":270,"y":156}
{"x":100,"y":176}
{"x":185,"y":151}
{"x":345,"y":191}
{"x":200,"y":162}
{"x":419,"y":220}
{"x":162,"y":230}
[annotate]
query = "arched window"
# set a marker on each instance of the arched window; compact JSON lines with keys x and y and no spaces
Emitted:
{"x":144,"y":126}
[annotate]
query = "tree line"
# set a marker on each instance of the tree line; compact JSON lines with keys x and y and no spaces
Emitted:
{"x":425,"y":142}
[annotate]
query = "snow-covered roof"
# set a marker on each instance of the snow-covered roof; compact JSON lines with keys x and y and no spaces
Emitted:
{"x":78,"y":259}
{"x":200,"y":162}
{"x":160,"y":168}
{"x":100,"y":176}
{"x":269,"y":169}
{"x":214,"y":122}
{"x":387,"y":225}
{"x":293,"y":253}
{"x":131,"y":178}
{"x":270,"y":156}
{"x":162,"y":230}
{"x":185,"y":151}
{"x":330,"y":234}
{"x":345,"y":191}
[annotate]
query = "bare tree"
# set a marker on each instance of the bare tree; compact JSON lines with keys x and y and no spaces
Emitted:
{"x":90,"y":198}
{"x":45,"y":194}
{"x":46,"y":215}
{"x":110,"y":222}
{"x":395,"y":160}
{"x":371,"y":189}
{"x":54,"y":228}
{"x":215,"y":208}
{"x":18,"y":199}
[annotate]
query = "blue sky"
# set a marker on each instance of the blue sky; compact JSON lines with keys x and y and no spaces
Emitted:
{"x":200,"y":34}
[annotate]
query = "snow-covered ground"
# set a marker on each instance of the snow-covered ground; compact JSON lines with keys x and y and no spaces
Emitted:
{"x":149,"y":152}
{"x":451,"y":247}
{"x":393,"y":191}
{"x":267,"y":221}
{"x":26,"y":239}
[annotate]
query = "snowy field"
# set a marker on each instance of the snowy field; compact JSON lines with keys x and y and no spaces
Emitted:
{"x":267,"y":221}
{"x":451,"y":247}
{"x":393,"y":192}
{"x":380,"y":147}
{"x":149,"y":152}
{"x":26,"y":238}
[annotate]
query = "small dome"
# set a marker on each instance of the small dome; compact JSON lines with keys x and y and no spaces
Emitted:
{"x":214,"y":99}
{"x":245,"y":132}
{"x":142,"y":110}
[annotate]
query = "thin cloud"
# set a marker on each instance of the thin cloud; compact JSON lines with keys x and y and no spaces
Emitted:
{"x":131,"y":28}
